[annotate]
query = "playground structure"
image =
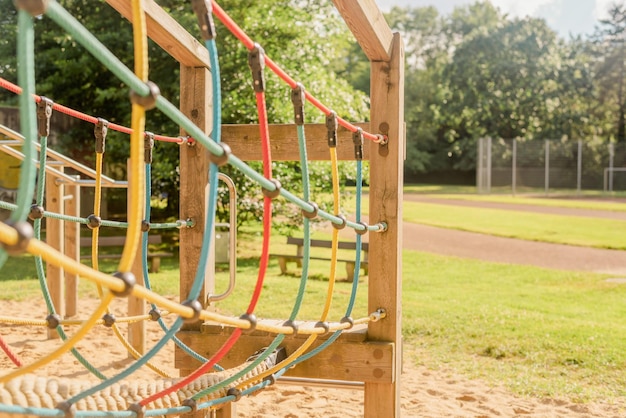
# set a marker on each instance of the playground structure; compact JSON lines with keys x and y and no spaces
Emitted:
{"x":368,"y":352}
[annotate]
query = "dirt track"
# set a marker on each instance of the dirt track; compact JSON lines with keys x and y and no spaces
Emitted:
{"x":506,"y":250}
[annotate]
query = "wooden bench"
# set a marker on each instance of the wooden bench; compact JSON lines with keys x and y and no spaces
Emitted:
{"x":283,"y":259}
{"x":118,"y":241}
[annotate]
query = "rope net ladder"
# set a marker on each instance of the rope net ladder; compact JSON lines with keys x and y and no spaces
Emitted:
{"x":221,"y":358}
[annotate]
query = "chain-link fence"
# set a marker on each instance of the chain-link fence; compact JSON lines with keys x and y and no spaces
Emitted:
{"x":550,"y":165}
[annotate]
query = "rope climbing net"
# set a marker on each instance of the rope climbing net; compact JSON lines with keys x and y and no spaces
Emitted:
{"x":209,"y":386}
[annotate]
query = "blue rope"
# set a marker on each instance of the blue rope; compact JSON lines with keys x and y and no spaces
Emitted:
{"x":146,"y":274}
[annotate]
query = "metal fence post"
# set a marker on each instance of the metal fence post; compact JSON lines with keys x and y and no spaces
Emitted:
{"x":580,"y":167}
{"x":547,"y":165}
{"x":513,"y":168}
{"x":480,"y":166}
{"x":611,"y":158}
{"x":489,"y":165}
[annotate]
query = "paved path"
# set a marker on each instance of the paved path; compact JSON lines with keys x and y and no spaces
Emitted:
{"x":508,"y":250}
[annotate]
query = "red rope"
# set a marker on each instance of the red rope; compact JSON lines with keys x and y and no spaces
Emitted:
{"x":10,"y":353}
{"x":267,"y":231}
{"x":249,"y":43}
{"x":82,"y":116}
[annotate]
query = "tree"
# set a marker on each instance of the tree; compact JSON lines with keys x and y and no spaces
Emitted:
{"x":610,"y":37}
{"x":431,"y":41}
{"x":302,"y":36}
{"x":507,"y":83}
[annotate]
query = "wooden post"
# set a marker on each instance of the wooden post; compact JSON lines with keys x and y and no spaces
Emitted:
{"x":72,"y":245}
{"x":136,"y":306}
{"x":54,"y":238}
{"x":196,"y":104}
{"x":385,"y":267}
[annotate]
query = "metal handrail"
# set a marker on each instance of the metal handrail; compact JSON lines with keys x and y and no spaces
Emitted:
{"x":232,"y":227}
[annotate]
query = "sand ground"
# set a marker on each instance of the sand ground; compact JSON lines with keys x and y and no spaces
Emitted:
{"x":424,"y":393}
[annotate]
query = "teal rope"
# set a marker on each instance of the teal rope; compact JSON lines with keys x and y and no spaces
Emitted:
{"x":121,"y":71}
{"x":146,"y":273}
{"x":85,"y":221}
{"x":307,"y":223}
{"x":91,"y":43}
{"x":355,"y":281}
{"x":28,"y":121}
{"x":41,"y":275}
{"x":26,"y":79}
{"x":194,"y":292}
{"x":303,"y":281}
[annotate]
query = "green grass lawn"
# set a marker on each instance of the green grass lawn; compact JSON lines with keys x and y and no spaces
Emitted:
{"x":505,"y":192}
{"x":539,"y":332}
{"x":573,"y":230}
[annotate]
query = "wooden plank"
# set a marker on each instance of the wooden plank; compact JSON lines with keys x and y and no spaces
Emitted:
{"x":342,"y":360}
{"x":196,"y":104}
{"x":54,"y":238}
{"x":386,"y":178}
{"x":357,"y":334}
{"x":167,"y":33}
{"x":116,"y":241}
{"x":245,"y":141}
{"x":368,"y":25}
{"x":342,"y":245}
{"x":71,"y":249}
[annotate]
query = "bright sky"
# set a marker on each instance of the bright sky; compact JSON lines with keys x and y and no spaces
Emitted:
{"x":577,"y":17}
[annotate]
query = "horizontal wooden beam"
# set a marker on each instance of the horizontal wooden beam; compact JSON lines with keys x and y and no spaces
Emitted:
{"x":368,"y":25}
{"x":344,"y":359}
{"x":167,"y":33}
{"x":245,"y":141}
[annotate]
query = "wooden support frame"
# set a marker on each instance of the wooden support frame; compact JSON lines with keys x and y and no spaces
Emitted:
{"x":72,"y":246}
{"x":386,"y":180}
{"x":385,"y":51}
{"x":54,"y":238}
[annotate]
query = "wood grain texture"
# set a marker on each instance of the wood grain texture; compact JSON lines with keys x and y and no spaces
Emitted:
{"x":71,"y":247}
{"x":368,"y":26}
{"x":245,"y":141}
{"x":386,"y":178}
{"x":168,"y":34}
{"x":54,"y":238}
{"x":196,"y":104}
{"x":346,"y":358}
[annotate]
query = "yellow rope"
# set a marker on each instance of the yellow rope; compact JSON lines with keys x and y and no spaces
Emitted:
{"x":8,"y":236}
{"x":70,"y":322}
{"x":97,"y":202}
{"x":67,"y":345}
{"x":331,"y":282}
{"x":136,"y":183}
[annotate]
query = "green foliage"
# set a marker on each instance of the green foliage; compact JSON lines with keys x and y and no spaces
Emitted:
{"x":477,"y":72}
{"x":610,"y":72}
{"x":306,"y":38}
{"x":288,"y":216}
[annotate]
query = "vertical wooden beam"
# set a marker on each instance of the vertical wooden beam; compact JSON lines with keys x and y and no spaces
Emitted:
{"x":136,"y":306}
{"x":54,"y":238}
{"x":196,"y":104}
{"x":72,"y":246}
{"x":385,"y":267}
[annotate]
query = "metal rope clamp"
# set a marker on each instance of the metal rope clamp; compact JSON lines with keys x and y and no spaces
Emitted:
{"x":44,"y":112}
{"x":256,"y":60}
